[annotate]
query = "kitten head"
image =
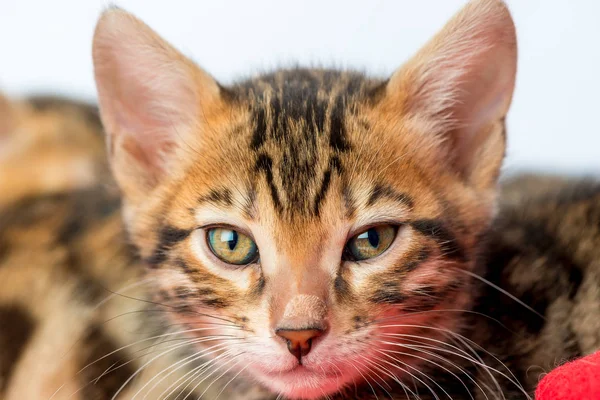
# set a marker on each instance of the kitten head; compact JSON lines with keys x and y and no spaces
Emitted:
{"x":307,"y":226}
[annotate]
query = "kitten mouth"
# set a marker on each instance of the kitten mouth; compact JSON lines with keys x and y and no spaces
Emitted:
{"x":301,"y":371}
{"x":301,"y":382}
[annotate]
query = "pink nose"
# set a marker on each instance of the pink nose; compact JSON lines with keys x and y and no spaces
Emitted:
{"x":299,"y":341}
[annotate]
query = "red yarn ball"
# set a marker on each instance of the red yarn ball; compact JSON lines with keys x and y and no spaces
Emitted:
{"x":575,"y":380}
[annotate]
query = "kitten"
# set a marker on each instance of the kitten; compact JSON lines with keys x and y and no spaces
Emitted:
{"x":303,"y":234}
{"x":323,"y":215}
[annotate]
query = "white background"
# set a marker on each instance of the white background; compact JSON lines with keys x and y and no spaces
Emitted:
{"x":553,"y":126}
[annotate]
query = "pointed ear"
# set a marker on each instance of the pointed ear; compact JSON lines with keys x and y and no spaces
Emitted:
{"x":460,"y":85}
{"x":151,"y":99}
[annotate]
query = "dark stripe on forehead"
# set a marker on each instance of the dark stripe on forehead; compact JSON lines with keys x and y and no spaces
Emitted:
{"x":264,"y":163}
{"x":337,"y":129}
{"x":259,"y":134}
{"x":16,"y":328}
{"x":335,"y":165}
{"x":300,"y":114}
{"x":312,"y":96}
{"x":349,"y":203}
{"x":218,"y":197}
{"x":389,"y":193}
{"x":322,"y":191}
{"x":248,"y":207}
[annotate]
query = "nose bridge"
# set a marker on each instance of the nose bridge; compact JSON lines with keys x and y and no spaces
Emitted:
{"x":304,"y":312}
{"x":305,"y":262}
{"x":300,"y":280}
{"x":311,"y":279}
{"x":298,"y":263}
{"x":302,"y":300}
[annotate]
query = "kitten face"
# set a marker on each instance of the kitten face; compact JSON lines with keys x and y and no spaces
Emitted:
{"x":302,"y":254}
{"x":309,"y":226}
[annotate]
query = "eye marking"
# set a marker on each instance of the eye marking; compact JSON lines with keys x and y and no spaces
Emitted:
{"x":370,"y":243}
{"x":231,"y":246}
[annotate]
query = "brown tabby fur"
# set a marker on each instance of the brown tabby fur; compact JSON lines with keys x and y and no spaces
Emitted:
{"x":486,"y":305}
{"x":48,"y":145}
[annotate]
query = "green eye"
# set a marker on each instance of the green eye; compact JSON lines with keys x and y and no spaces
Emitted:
{"x":232,"y":246}
{"x":370,"y":243}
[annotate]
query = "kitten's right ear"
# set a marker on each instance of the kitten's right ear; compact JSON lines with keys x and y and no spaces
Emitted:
{"x":152,"y":99}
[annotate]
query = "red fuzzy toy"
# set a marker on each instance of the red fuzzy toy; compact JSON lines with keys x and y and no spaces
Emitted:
{"x":575,"y":380}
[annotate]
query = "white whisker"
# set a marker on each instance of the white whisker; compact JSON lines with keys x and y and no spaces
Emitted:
{"x":180,"y":364}
{"x":498,"y":288}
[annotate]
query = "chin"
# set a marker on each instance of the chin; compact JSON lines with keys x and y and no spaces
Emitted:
{"x":305,"y":383}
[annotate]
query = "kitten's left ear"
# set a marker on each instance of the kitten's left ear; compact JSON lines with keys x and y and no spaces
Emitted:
{"x":152,"y":102}
{"x":458,"y":88}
